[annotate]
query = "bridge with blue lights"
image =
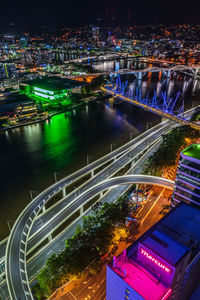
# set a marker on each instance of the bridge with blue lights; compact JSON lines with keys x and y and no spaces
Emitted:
{"x":163,"y":106}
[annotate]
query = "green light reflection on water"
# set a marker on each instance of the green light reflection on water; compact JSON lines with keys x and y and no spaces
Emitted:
{"x":60,"y":141}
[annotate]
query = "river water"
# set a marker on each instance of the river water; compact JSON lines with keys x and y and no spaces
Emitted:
{"x":30,"y":155}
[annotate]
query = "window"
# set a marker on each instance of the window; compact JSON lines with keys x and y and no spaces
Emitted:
{"x":127,"y":294}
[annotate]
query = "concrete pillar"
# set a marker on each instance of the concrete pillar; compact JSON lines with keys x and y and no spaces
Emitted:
{"x":101,"y":195}
{"x":132,"y":164}
{"x":81,"y":210}
{"x":92,"y":173}
{"x":44,"y":208}
{"x":64,"y":192}
{"x":50,"y":237}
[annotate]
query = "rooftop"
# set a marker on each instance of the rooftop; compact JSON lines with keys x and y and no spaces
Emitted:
{"x":166,"y":247}
{"x":54,"y":83}
{"x":138,"y":278}
{"x":192,"y":151}
{"x":183,"y":224}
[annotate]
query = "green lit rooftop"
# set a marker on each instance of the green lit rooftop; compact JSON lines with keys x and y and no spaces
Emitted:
{"x":192,"y":151}
{"x":54,"y":84}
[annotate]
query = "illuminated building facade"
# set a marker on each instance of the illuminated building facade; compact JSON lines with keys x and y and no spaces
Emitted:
{"x":163,"y":263}
{"x":187,"y":184}
{"x":50,"y":89}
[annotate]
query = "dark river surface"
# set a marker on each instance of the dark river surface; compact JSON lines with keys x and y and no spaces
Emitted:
{"x":30,"y":155}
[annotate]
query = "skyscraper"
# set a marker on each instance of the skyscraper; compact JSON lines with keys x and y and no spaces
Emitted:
{"x":187,"y":184}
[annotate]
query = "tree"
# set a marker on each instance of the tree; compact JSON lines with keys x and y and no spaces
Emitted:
{"x":84,"y":248}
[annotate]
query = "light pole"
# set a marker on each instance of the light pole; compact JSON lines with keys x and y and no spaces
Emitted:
{"x":9,"y":226}
{"x":88,"y":159}
{"x":131,"y":136}
{"x":111,"y":146}
{"x":32,"y":194}
{"x":55,"y":176}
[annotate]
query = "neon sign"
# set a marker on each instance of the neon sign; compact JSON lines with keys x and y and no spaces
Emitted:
{"x":155,"y":260}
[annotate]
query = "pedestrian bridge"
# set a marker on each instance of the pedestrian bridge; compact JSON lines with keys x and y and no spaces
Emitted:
{"x":166,"y":109}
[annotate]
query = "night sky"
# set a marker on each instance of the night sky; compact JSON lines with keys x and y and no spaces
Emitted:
{"x":60,"y":12}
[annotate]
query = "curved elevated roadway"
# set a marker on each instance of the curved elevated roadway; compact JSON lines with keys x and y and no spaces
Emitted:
{"x":16,"y":273}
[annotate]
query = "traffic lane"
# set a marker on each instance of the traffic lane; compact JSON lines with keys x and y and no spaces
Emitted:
{"x":155,"y":214}
{"x":15,"y":256}
{"x":93,"y":288}
{"x":156,"y":191}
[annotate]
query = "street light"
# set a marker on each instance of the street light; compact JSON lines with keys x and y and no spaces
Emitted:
{"x":55,"y":176}
{"x":32,"y":194}
{"x":147,"y":125}
{"x":88,"y":159}
{"x":131,"y":136}
{"x":111,"y":146}
{"x":9,"y":226}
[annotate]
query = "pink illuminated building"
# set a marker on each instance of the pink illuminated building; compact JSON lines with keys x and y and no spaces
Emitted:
{"x":163,"y":263}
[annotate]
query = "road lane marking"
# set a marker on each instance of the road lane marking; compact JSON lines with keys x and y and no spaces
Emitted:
{"x":73,"y":296}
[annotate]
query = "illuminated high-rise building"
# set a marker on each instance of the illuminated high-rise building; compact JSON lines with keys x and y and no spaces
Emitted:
{"x":187,"y":184}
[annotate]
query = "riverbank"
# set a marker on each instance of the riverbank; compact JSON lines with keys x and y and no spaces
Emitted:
{"x":50,"y":115}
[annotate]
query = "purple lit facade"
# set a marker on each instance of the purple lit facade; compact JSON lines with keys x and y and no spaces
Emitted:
{"x":162,"y":264}
{"x":187,"y":184}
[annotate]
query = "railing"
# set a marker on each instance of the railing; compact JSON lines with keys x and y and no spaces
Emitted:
{"x":152,"y":109}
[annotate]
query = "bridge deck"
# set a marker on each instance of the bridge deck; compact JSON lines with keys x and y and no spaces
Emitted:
{"x":152,"y":109}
